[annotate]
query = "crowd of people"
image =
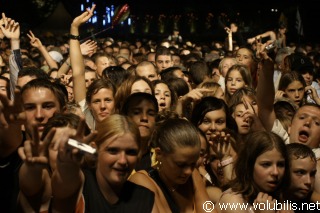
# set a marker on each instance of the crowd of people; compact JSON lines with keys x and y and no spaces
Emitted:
{"x":109,"y":125}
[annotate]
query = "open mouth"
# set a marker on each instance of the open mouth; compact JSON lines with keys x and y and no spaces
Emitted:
{"x":303,"y":136}
{"x":162,"y":105}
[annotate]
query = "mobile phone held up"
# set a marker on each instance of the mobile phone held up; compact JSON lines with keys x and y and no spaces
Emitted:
{"x":82,"y":146}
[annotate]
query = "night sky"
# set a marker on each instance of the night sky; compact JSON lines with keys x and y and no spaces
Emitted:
{"x":249,"y":13}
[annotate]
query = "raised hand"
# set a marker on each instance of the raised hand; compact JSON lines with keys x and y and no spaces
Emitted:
{"x":88,"y":47}
{"x":9,"y":27}
{"x":68,"y":154}
{"x":84,"y":17}
{"x":312,"y":92}
{"x":34,"y":41}
{"x":11,"y":112}
{"x":35,"y":151}
{"x":220,"y":144}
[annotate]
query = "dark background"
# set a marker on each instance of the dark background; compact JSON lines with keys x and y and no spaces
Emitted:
{"x":253,"y":16}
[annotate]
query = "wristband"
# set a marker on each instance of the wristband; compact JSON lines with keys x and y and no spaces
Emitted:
{"x":74,"y":37}
{"x":225,"y":162}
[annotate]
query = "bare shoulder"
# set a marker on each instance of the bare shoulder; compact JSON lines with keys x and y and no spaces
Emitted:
{"x":143,"y":179}
{"x":231,"y":197}
{"x":231,"y":202}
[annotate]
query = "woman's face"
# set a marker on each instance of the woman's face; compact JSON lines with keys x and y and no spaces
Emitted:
{"x":245,"y":57}
{"x":102,"y":104}
{"x":269,"y":170}
{"x":177,"y":167}
{"x":213,"y":121}
{"x":163,"y":95}
{"x":141,"y":86}
{"x":295,"y":92}
{"x":234,"y":82}
{"x":117,"y":157}
{"x":226,"y":64}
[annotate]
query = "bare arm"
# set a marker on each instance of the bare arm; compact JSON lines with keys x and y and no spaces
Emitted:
{"x":35,"y":42}
{"x":34,"y":178}
{"x":76,"y":58}
{"x":200,"y":192}
{"x":265,"y":91}
{"x":271,"y":34}
{"x":11,"y":30}
{"x":68,"y":179}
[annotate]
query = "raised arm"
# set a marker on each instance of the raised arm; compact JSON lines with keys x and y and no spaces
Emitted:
{"x":68,"y":179}
{"x":35,"y":42}
{"x":86,"y":47}
{"x":76,"y":58}
{"x":265,"y":89}
{"x":11,"y":30}
{"x":271,"y":34}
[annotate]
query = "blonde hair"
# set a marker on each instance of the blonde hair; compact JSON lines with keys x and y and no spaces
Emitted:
{"x":116,"y":125}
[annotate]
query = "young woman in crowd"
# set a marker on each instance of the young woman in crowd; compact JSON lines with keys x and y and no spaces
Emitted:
{"x":245,"y":56}
{"x":164,"y":94}
{"x":176,"y":183}
{"x":105,"y":187}
{"x":212,"y":115}
{"x":96,"y":101}
{"x":292,"y":86}
{"x":237,"y":77}
{"x":263,"y":157}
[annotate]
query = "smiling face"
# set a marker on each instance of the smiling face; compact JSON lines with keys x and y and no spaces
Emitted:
{"x":117,"y":157}
{"x":269,"y":170}
{"x":213,"y":121}
{"x":305,"y":126}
